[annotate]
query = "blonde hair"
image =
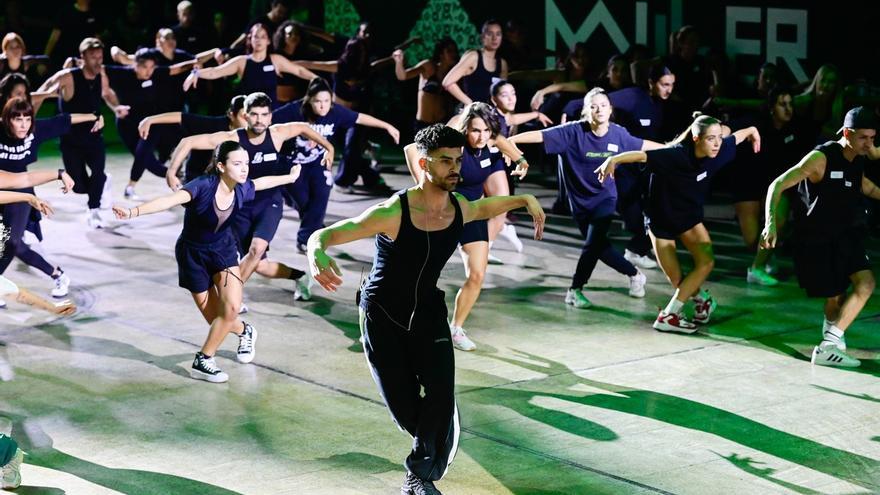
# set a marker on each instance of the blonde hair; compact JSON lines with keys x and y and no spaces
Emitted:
{"x":586,"y":114}
{"x":9,"y":38}
{"x":697,"y":128}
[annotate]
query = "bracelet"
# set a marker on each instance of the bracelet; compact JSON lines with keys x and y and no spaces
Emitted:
{"x":520,"y":160}
{"x":60,"y":174}
{"x":137,"y":210}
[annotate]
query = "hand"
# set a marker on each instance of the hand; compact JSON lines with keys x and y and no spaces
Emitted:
{"x":66,"y":183}
{"x":294,"y":172}
{"x":219,"y":56}
{"x":41,"y":206}
{"x":521,"y":170}
{"x":397,"y":55}
{"x":144,"y":128}
{"x":755,"y":138}
{"x":537,"y":101}
{"x":191,"y":80}
{"x":324,"y":270}
{"x":64,"y":308}
{"x":537,"y":214}
{"x":121,"y":111}
{"x":122,"y":213}
{"x":768,"y":236}
{"x":99,"y":124}
{"x":327,"y":161}
{"x":545,"y":120}
{"x":605,"y":170}
{"x":394,"y":133}
{"x":172,"y":181}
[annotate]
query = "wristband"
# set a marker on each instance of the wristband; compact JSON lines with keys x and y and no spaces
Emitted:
{"x":60,"y":173}
{"x":520,"y":160}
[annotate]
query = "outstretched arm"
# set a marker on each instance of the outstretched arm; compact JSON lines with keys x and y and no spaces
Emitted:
{"x":293,"y":68}
{"x":234,"y":65}
{"x":606,"y":170}
{"x":511,"y":151}
{"x":486,"y":208}
{"x":23,"y":180}
{"x":270,"y":181}
{"x":323,"y":66}
{"x":572,"y":86}
{"x":154,"y":206}
{"x":7,"y":197}
{"x":292,"y":129}
{"x":162,"y":118}
{"x":750,"y":133}
{"x":187,"y":144}
{"x":530,"y":137}
{"x":370,"y":121}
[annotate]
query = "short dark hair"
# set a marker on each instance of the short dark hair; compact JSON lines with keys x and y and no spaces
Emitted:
{"x":496,"y":86}
{"x":657,"y":71}
{"x":236,"y":104}
{"x":9,"y":82}
{"x":144,"y":54}
{"x":16,"y":107}
{"x":257,"y":99}
{"x":221,"y":154}
{"x":438,"y":136}
{"x":774,"y":94}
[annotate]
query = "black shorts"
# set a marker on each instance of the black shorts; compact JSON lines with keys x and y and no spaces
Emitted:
{"x":197,"y":263}
{"x":258,"y":219}
{"x":823,"y":268}
{"x":475,"y":231}
{"x":669,"y":231}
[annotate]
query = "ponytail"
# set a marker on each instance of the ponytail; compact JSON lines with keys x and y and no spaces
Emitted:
{"x":697,"y":128}
{"x":221,"y":153}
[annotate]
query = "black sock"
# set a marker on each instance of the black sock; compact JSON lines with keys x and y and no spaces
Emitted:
{"x":295,"y":274}
{"x":60,"y":272}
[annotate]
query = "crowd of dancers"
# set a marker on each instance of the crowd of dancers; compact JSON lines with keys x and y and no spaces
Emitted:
{"x":627,"y":146}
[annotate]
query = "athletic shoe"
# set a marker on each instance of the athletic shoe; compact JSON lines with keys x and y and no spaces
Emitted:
{"x":637,"y":284}
{"x":760,"y":277}
{"x":495,"y":260}
{"x":11,"y":472}
{"x":671,"y":322}
{"x":62,"y":285}
{"x":576,"y":298}
{"x":703,"y":309}
{"x":303,"y":290}
{"x":205,"y":368}
{"x":509,"y":234}
{"x":243,"y":309}
{"x":825,"y":327}
{"x":639,"y":260}
{"x":130,"y":195}
{"x":828,"y":354}
{"x":94,"y":219}
{"x":460,"y":339}
{"x":344,"y":189}
{"x":302,"y":248}
{"x":2,"y":304}
{"x":107,"y":193}
{"x":247,"y":344}
{"x":412,"y":485}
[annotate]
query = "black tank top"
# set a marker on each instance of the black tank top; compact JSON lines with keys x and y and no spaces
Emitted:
{"x":265,"y":160}
{"x":259,"y":76}
{"x":833,"y":206}
{"x":86,"y":99}
{"x":403,"y":281}
{"x":476,"y":85}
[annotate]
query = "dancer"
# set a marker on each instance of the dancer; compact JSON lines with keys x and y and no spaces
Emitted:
{"x":20,"y":139}
{"x":15,"y":85}
{"x":584,"y":145}
{"x":402,"y":312}
{"x":477,"y":68}
{"x":258,"y":69}
{"x":433,"y":102}
{"x":311,"y":193}
{"x":679,"y":182}
{"x":830,"y":231}
{"x":207,"y":259}
{"x":256,"y":225}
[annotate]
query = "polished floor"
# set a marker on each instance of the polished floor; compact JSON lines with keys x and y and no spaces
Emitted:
{"x":554,"y":399}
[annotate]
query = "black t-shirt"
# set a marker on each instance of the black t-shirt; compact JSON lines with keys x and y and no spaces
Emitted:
{"x":75,"y":26}
{"x":192,"y":39}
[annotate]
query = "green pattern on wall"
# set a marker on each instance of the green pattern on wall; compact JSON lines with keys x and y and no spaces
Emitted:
{"x":442,"y":18}
{"x":340,"y":17}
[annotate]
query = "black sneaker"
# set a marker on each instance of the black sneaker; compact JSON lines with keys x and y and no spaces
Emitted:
{"x":204,"y":368}
{"x":302,"y":248}
{"x":412,"y":485}
{"x":247,"y":344}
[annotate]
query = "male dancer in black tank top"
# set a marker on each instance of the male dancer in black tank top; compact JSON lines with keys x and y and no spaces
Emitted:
{"x":829,"y":248}
{"x":256,"y":225}
{"x":81,"y":91}
{"x":402,"y":312}
{"x":477,"y":68}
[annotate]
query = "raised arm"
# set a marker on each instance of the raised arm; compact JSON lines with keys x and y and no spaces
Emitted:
{"x":162,"y":118}
{"x":530,"y":137}
{"x":234,"y":65}
{"x":120,"y":56}
{"x":411,"y":154}
{"x":522,"y":118}
{"x":572,"y":86}
{"x":381,"y":218}
{"x":187,"y":144}
{"x":323,"y":66}
{"x":607,"y":168}
{"x":491,"y":207}
{"x":7,"y":197}
{"x":750,"y":133}
{"x":370,"y":121}
{"x":283,"y":132}
{"x":161,"y":203}
{"x":466,"y":66}
{"x":270,"y":181}
{"x":61,"y":81}
{"x":516,"y":156}
{"x":811,"y":167}
{"x":286,"y":66}
{"x":403,"y":73}
{"x":24,"y":180}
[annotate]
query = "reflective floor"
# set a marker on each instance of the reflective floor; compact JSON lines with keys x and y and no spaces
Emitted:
{"x":554,"y":399}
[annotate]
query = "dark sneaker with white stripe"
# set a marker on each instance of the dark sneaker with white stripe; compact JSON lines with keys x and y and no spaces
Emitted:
{"x":412,"y":485}
{"x":828,"y":354}
{"x":247,"y":344}
{"x":205,"y":368}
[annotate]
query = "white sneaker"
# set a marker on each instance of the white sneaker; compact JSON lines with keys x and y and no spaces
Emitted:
{"x":825,"y":326}
{"x":107,"y":193}
{"x":827,"y":354}
{"x":303,"y":291}
{"x":205,"y":368}
{"x":94,"y":219}
{"x":247,"y":342}
{"x":11,"y":472}
{"x":62,"y":285}
{"x":576,"y":298}
{"x":494,"y":260}
{"x":637,"y":284}
{"x":2,"y":303}
{"x":760,"y":277}
{"x":129,"y":194}
{"x":460,"y":339}
{"x":509,"y":234}
{"x":639,"y":260}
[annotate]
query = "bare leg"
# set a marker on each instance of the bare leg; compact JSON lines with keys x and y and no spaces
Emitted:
{"x":749,"y":214}
{"x":698,"y":242}
{"x":273,"y":269}
{"x":664,"y":249}
{"x":832,"y":307}
{"x":863,"y":286}
{"x":476,"y":259}
{"x":496,"y":185}
{"x":207,"y":303}
{"x":229,"y":288}
{"x":249,"y":262}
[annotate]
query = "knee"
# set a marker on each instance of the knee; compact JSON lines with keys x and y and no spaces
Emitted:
{"x":865,"y":288}
{"x":229,"y":310}
{"x":15,"y":245}
{"x":475,"y":277}
{"x":257,"y":249}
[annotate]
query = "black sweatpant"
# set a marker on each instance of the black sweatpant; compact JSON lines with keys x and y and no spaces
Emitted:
{"x":16,"y":217}
{"x":403,"y":363}
{"x":631,"y":209}
{"x":597,"y":247}
{"x":79,"y":152}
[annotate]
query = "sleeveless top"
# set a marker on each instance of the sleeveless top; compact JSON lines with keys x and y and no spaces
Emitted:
{"x":259,"y":76}
{"x":86,"y":99}
{"x":403,"y":281}
{"x":264,"y":160}
{"x":476,"y":85}
{"x":833,"y":206}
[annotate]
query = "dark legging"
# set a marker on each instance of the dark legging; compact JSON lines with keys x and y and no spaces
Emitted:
{"x":352,"y":163}
{"x":79,"y":153}
{"x":16,"y":217}
{"x":597,"y":247}
{"x":144,"y":152}
{"x":310,"y":194}
{"x":629,"y":206}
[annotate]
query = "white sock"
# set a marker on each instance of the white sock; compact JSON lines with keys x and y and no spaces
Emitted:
{"x":826,"y":324}
{"x":832,"y":335}
{"x":674,"y":306}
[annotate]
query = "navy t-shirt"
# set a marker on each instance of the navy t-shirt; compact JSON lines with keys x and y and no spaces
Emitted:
{"x":636,"y":110}
{"x":476,"y":167}
{"x":144,"y":96}
{"x":302,"y":150}
{"x":192,"y":124}
{"x":582,"y":152}
{"x":17,"y":154}
{"x":200,"y":220}
{"x":679,"y":183}
{"x":573,"y":109}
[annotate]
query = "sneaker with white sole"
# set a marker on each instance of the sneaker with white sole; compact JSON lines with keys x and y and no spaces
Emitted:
{"x":639,"y":260}
{"x":576,"y":298}
{"x":637,"y":284}
{"x":11,"y":471}
{"x":760,"y":277}
{"x":247,"y":342}
{"x":62,"y":285}
{"x":130,"y":195}
{"x":825,"y":326}
{"x":828,"y":354}
{"x":460,"y":339}
{"x":205,"y":368}
{"x":94,"y":219}
{"x":509,"y":234}
{"x":703,"y":309}
{"x":303,"y":291}
{"x":2,"y":303}
{"x":495,"y":260}
{"x":672,"y":322}
{"x":412,"y":485}
{"x":107,"y":193}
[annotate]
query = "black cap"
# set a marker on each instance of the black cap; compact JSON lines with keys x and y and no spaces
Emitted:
{"x":859,"y":118}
